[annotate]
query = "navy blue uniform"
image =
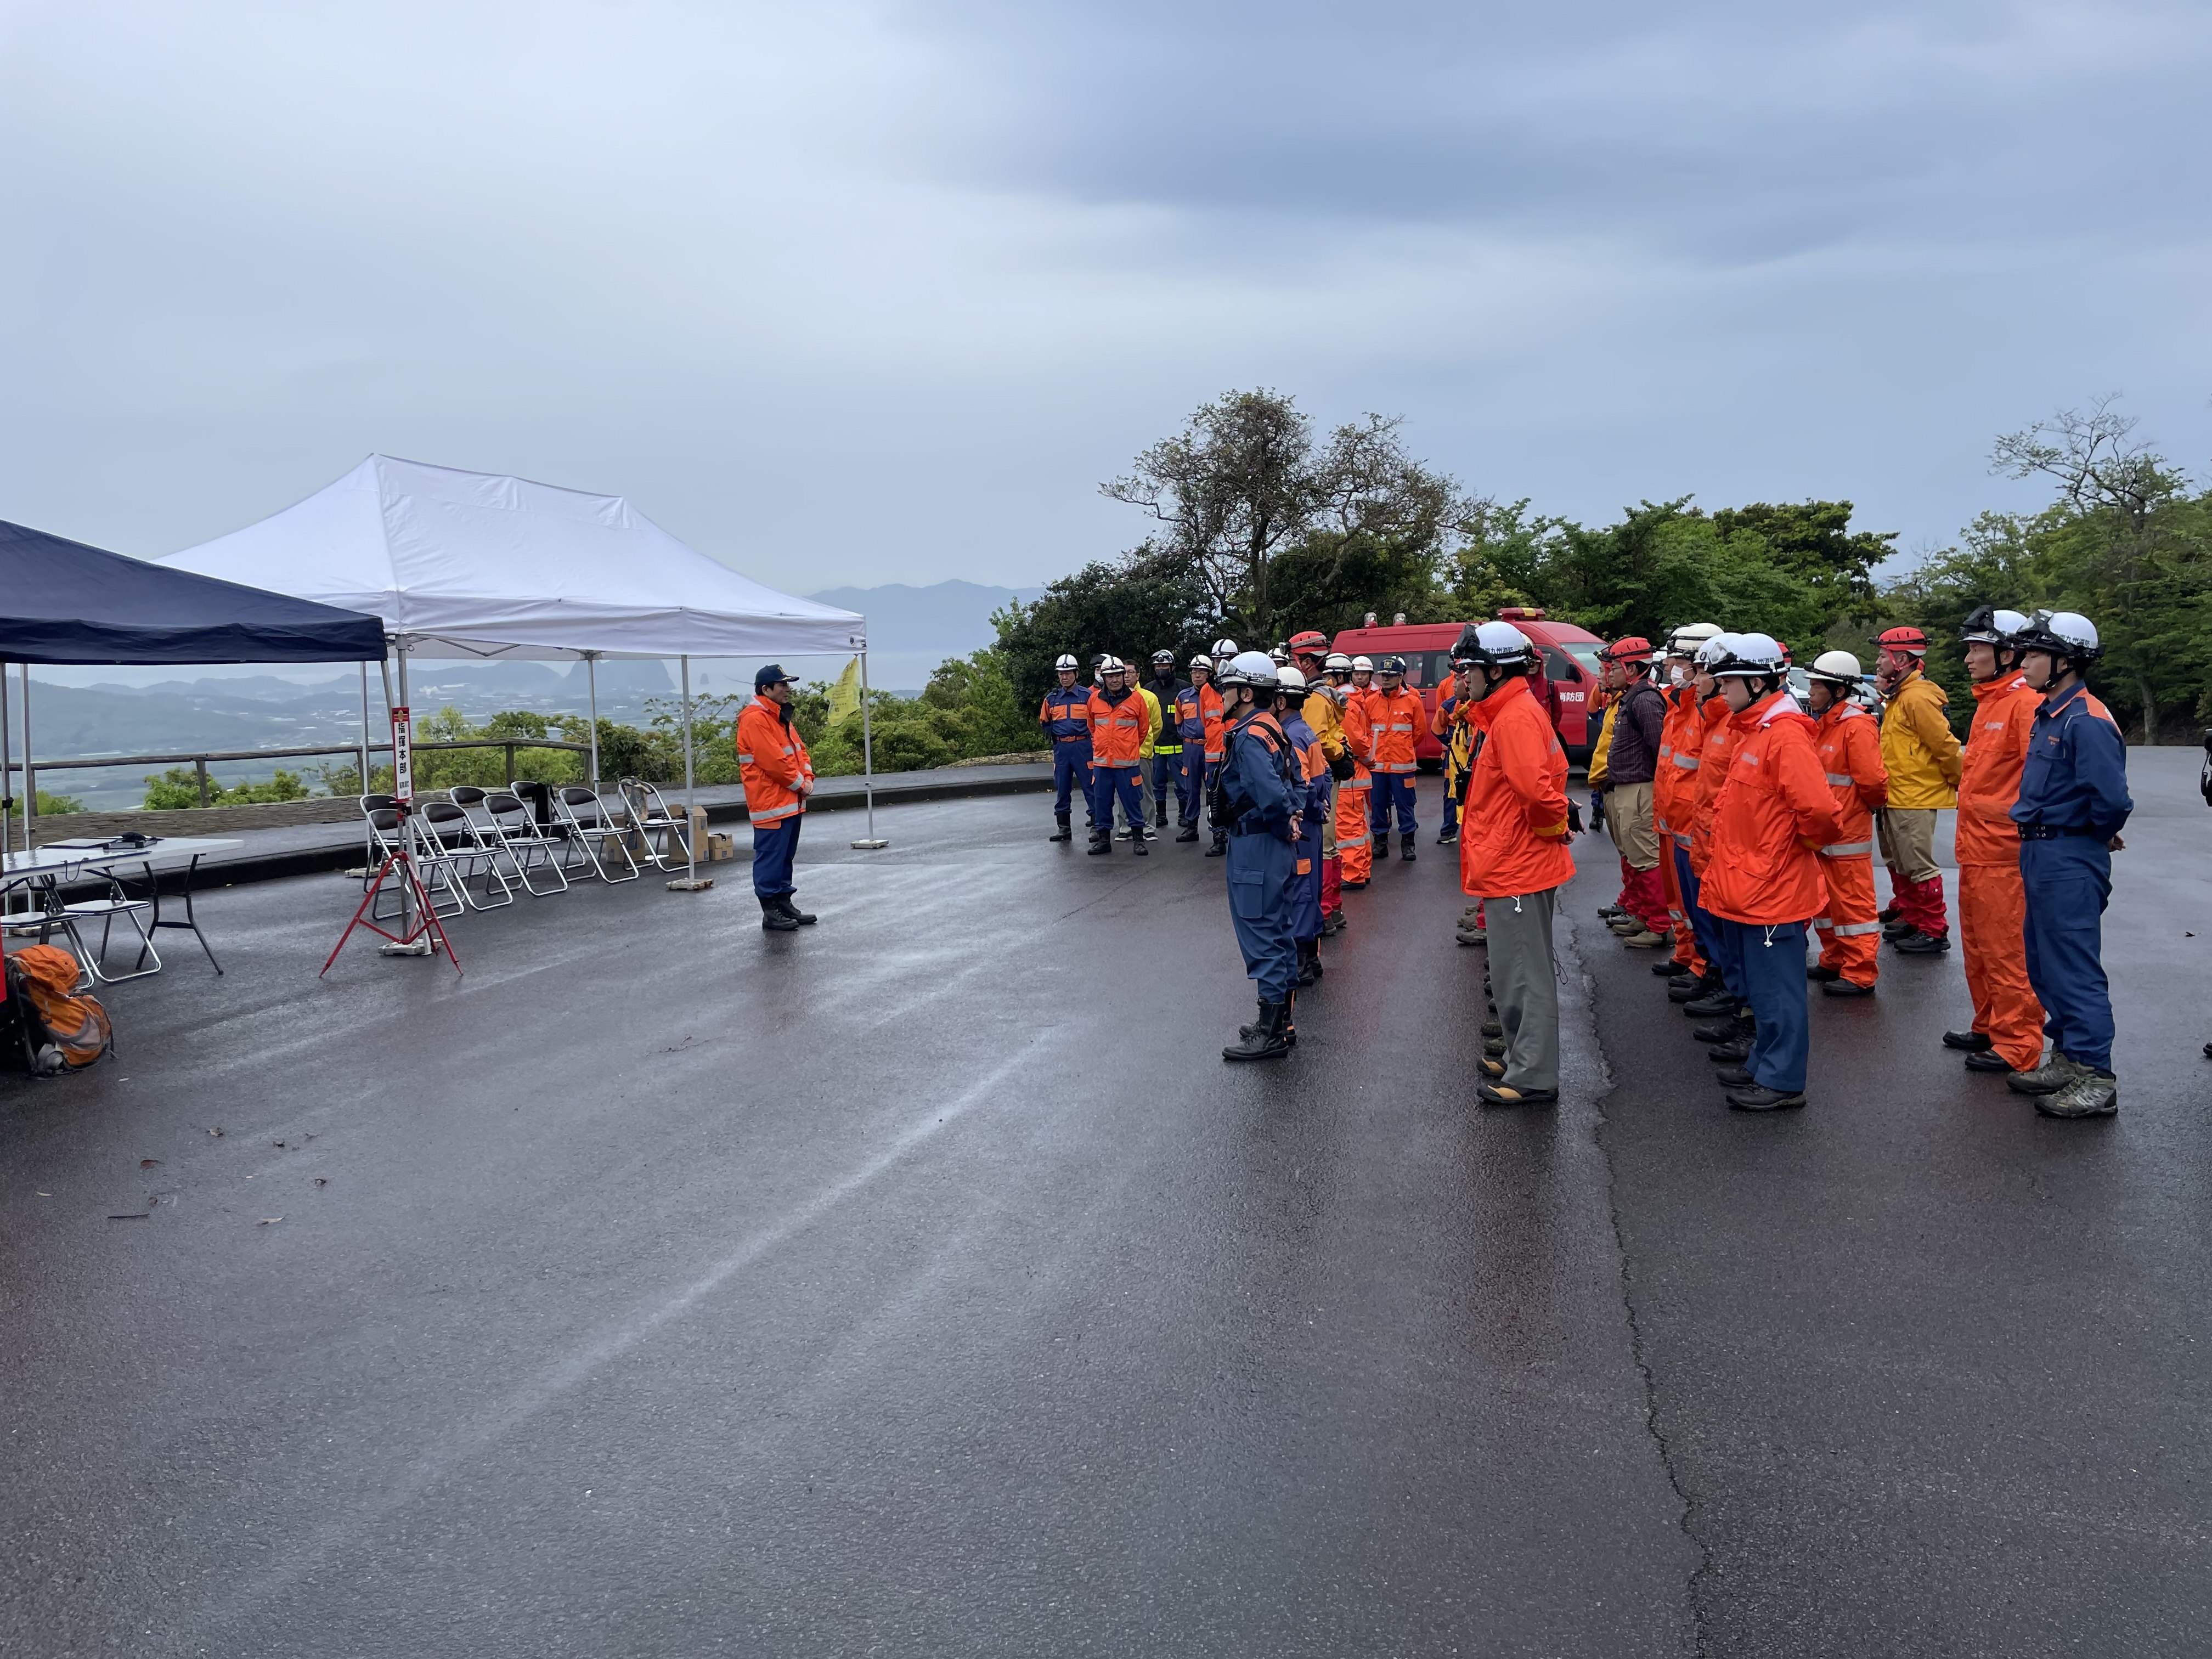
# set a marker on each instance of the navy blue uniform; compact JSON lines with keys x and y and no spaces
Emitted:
{"x":1312,"y":798}
{"x":1064,"y":720}
{"x":1263,"y":791}
{"x":2073,"y":799}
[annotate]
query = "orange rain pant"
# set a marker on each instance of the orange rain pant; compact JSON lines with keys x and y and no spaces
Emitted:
{"x":1355,"y":843}
{"x":1686,"y":944}
{"x":1851,"y":933}
{"x":1993,"y":935}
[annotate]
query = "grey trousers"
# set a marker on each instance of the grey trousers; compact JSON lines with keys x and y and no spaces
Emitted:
{"x":1525,"y":986}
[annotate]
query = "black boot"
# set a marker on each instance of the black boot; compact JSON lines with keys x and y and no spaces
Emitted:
{"x":772,"y":919}
{"x":1160,"y":811}
{"x":788,"y":903}
{"x":1271,"y":1041}
{"x":1406,"y":849}
{"x":1137,"y":844}
{"x":1100,"y":843}
{"x":1189,"y":832}
{"x":1220,"y":848}
{"x":1064,"y":833}
{"x":1309,"y":968}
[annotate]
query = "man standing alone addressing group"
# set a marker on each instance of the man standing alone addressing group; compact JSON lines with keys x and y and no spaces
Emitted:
{"x":778,"y":775}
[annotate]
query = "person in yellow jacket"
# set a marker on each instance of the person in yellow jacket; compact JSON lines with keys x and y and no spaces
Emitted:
{"x":1144,"y":757}
{"x":1924,"y":760}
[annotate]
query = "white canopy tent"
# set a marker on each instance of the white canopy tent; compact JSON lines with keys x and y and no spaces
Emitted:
{"x":478,"y":566}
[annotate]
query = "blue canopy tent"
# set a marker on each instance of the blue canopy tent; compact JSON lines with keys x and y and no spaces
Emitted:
{"x":63,"y":602}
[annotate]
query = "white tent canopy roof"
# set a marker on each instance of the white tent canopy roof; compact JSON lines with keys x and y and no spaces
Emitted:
{"x":472,"y":564}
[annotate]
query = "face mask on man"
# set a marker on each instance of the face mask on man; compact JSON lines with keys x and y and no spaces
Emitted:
{"x":1677,"y":676}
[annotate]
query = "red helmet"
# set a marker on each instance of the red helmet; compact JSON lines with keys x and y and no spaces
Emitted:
{"x":1634,"y":648}
{"x":1310,"y":643}
{"x":1902,"y":639}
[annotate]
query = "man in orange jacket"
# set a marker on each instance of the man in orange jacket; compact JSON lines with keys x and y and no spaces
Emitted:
{"x":1513,"y":856}
{"x":1848,"y":740}
{"x":1396,"y":718}
{"x":1722,"y":991}
{"x":1763,"y":880}
{"x":2007,"y":1035}
{"x":778,"y":775}
{"x":1121,"y":725}
{"x":1355,"y":841}
{"x":1679,"y":735}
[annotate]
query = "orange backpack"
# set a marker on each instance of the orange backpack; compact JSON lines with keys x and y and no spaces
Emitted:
{"x":45,"y":976}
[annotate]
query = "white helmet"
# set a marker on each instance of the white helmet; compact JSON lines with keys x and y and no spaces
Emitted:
{"x":1066,"y":664}
{"x":1362,"y":665}
{"x":1751,"y":655}
{"x":1684,"y":641}
{"x":1989,"y":626}
{"x":1254,"y":668}
{"x":1837,"y":668}
{"x":1494,"y":644}
{"x":1201,"y":660}
{"x":1279,"y":656}
{"x":1112,"y":665}
{"x":2066,"y":634}
{"x":1338,"y":663}
{"x":1291,"y":679}
{"x":1715,"y":648}
{"x":1224,"y":650}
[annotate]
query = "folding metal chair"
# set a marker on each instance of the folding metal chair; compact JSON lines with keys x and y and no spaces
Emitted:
{"x":509,"y":818}
{"x":119,"y":902}
{"x":447,"y":828}
{"x":650,"y":816}
{"x":431,"y":865}
{"x":41,"y":925}
{"x":583,"y":816}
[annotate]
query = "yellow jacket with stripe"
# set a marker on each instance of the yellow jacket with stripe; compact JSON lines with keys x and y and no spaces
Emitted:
{"x":1603,"y":746}
{"x":1320,"y":712}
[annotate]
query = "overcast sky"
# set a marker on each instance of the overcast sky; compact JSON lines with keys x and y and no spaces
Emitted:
{"x":871,"y":293}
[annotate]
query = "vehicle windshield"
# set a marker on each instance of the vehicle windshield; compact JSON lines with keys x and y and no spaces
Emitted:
{"x":1585,"y":653}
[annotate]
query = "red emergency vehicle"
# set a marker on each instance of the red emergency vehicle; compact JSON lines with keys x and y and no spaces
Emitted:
{"x":1570,"y":669}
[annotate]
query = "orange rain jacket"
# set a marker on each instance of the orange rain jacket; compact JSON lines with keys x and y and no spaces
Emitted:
{"x":1358,"y":736}
{"x":1674,"y":779}
{"x":1397,"y":720}
{"x":1848,"y":740}
{"x":1773,"y":809}
{"x":1918,"y":746}
{"x":1996,"y":750}
{"x":1202,"y":703}
{"x":1513,"y":835}
{"x":772,"y":758}
{"x":1716,"y":739}
{"x":1119,"y":731}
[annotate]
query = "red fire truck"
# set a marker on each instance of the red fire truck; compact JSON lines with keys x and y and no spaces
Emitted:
{"x":1571,"y":668}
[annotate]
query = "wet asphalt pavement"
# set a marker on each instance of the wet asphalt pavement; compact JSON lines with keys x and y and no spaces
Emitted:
{"x":924,"y":1282}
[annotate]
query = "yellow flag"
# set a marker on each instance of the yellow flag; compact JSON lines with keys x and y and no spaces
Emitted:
{"x":845,"y":696}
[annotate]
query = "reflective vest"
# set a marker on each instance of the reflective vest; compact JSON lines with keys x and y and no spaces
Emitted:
{"x":771,"y":758}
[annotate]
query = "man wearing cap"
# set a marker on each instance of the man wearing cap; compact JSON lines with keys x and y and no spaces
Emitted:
{"x":1924,"y":759}
{"x":778,"y":775}
{"x":1166,"y":763}
{"x":1064,"y":720}
{"x":1632,"y":763}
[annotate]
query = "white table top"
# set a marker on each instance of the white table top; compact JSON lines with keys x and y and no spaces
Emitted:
{"x":170,"y":849}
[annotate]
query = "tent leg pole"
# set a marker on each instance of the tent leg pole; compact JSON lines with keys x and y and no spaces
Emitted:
{"x":592,"y":692}
{"x":364,"y":728}
{"x":30,"y":772}
{"x":867,"y":763}
{"x":7,"y":770}
{"x":689,"y":882}
{"x":411,"y":895}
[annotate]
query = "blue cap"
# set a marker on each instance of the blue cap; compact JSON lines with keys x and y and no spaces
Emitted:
{"x":771,"y":675}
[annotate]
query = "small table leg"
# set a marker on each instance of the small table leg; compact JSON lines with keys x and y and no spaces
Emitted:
{"x":190,"y":923}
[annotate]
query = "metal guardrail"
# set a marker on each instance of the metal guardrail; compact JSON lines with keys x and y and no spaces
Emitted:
{"x":199,"y":759}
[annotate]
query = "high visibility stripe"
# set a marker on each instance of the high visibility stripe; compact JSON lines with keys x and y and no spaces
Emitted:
{"x":1400,"y":725}
{"x":1343,"y":841}
{"x":1687,"y":763}
{"x":1682,"y":842}
{"x":745,"y":760}
{"x":767,"y":814}
{"x":1846,"y":929}
{"x":1847,"y":849}
{"x":1397,"y":766}
{"x":1840,"y":778}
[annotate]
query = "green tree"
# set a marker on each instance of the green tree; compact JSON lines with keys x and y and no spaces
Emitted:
{"x":1132,"y":607}
{"x":180,"y":788}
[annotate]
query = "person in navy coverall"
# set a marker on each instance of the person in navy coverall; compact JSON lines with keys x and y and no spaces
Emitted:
{"x":2073,"y":804}
{"x":1258,"y":795}
{"x":1064,"y":718}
